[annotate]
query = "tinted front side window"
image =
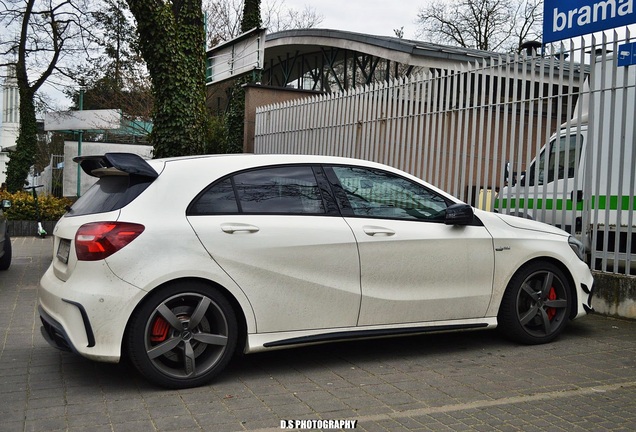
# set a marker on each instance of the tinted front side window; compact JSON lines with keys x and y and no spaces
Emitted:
{"x":287,"y":190}
{"x":376,"y":193}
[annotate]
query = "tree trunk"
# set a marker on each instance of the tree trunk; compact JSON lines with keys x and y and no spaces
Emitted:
{"x":26,"y":144}
{"x":172,"y":42}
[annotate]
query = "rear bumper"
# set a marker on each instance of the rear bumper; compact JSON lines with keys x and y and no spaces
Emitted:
{"x":54,"y":333}
{"x":87,"y":319}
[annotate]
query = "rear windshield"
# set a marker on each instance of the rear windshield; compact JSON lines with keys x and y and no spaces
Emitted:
{"x":109,"y":193}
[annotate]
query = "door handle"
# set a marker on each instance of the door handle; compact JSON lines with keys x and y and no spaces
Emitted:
{"x":232,"y":228}
{"x":377,"y":231}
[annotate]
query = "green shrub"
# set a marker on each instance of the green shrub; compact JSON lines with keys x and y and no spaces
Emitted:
{"x":23,"y":206}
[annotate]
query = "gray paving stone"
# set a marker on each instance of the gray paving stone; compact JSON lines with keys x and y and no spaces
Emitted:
{"x":45,"y":425}
{"x":174,"y":423}
{"x":134,"y":426}
{"x":456,"y":382}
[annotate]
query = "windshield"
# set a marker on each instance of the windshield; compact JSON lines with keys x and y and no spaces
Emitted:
{"x":557,"y":161}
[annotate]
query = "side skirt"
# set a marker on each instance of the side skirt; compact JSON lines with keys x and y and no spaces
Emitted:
{"x":266,"y":341}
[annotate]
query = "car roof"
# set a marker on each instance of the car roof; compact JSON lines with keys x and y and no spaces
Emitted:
{"x":268,"y":158}
{"x":228,"y":163}
{"x":251,"y":160}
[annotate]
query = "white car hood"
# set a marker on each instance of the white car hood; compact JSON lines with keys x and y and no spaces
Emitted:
{"x":527,"y":224}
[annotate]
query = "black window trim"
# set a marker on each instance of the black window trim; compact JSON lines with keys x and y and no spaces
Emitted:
{"x":334,"y":197}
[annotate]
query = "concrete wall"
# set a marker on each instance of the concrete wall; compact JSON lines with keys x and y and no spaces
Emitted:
{"x":615,"y":295}
{"x":88,"y":148}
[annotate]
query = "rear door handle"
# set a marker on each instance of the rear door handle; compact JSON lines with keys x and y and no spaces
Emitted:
{"x":377,"y":231}
{"x":232,"y":228}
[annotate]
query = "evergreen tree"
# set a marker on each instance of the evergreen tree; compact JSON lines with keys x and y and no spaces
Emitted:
{"x":251,"y":15}
{"x":235,"y":117}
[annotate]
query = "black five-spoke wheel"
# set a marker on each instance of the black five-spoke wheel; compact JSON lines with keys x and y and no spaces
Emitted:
{"x":183,"y":336}
{"x":536,"y":305}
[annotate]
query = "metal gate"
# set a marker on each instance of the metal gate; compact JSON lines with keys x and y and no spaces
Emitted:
{"x":548,"y":136}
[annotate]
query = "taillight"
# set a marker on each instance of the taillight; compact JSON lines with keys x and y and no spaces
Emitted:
{"x":98,"y":240}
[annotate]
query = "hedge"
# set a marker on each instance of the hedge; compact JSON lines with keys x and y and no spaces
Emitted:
{"x":23,"y":206}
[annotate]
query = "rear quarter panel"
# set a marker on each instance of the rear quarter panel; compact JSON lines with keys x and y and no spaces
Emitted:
{"x":168,"y":249}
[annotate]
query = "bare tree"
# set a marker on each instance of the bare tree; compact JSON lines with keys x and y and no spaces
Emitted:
{"x":489,"y":25}
{"x":48,"y":38}
{"x":224,"y":18}
{"x":529,"y":16}
{"x":280,"y":18}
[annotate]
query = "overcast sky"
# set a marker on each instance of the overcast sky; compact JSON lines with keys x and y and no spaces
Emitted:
{"x":378,"y":17}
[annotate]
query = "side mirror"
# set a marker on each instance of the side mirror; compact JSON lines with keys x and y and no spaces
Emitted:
{"x":459,"y":214}
{"x":6,"y":204}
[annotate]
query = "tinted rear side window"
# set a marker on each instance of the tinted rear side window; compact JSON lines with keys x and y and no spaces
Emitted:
{"x":219,"y":199}
{"x":110,"y":193}
{"x":284,"y":190}
{"x":277,"y":190}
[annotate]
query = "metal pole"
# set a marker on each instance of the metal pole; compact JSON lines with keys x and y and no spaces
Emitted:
{"x":79,"y":142}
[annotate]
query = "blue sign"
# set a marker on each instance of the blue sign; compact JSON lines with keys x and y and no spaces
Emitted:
{"x":564,"y":19}
{"x":627,"y":54}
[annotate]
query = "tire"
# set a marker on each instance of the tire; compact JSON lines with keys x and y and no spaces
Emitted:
{"x":5,"y":261}
{"x":536,"y":304}
{"x":171,"y":350}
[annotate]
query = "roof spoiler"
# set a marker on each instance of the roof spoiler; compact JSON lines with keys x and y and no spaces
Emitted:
{"x":116,"y":164}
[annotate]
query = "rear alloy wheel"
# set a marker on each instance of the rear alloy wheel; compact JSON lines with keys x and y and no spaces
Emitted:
{"x":536,"y":305}
{"x":183,"y":336}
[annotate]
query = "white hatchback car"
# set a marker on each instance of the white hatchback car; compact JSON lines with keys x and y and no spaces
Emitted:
{"x":180,"y":263}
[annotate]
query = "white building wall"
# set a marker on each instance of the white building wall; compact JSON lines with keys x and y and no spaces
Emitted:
{"x":10,"y":101}
{"x":89,"y":148}
{"x":4,"y":159}
{"x":10,"y":119}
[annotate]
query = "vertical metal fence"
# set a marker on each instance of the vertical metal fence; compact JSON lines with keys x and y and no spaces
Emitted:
{"x":52,"y":176}
{"x":548,"y":137}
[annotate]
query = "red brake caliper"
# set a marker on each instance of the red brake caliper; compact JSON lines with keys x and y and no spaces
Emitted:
{"x":551,"y":311}
{"x":159,"y":330}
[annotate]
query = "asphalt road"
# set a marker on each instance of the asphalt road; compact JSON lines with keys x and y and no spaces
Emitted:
{"x":475,"y":381}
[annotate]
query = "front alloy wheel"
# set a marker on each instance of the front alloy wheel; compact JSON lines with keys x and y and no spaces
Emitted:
{"x":536,"y":305}
{"x":183,"y":336}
